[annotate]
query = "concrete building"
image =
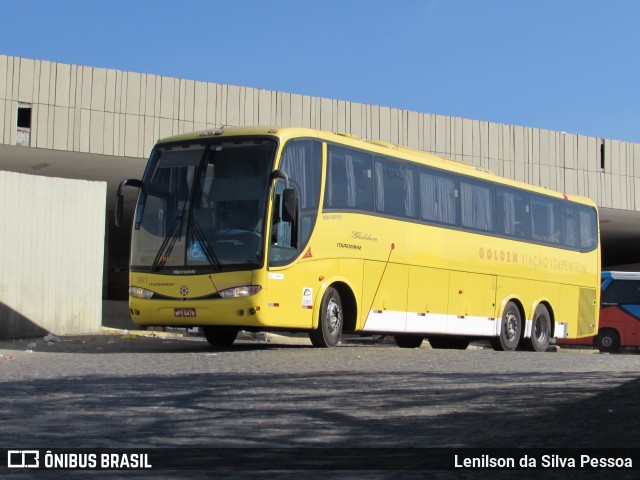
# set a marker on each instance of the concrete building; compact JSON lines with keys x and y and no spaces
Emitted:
{"x":83,"y":122}
{"x":51,"y":255}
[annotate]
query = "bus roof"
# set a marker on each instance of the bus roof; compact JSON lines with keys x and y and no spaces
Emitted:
{"x":621,"y":275}
{"x":376,"y":146}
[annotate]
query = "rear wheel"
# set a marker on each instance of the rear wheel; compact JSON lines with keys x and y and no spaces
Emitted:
{"x":510,"y":329}
{"x":220,"y":336}
{"x":607,"y":340}
{"x":330,"y":322}
{"x":450,"y":343}
{"x":540,"y":331}
{"x":408,"y":341}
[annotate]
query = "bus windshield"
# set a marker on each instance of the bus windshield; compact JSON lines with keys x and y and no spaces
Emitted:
{"x":203,"y":205}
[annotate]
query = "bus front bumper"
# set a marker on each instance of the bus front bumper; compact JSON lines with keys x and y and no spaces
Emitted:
{"x":241,"y":312}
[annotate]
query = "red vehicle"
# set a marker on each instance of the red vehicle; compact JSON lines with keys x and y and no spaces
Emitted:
{"x":619,"y":314}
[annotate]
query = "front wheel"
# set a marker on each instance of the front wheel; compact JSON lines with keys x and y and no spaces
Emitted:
{"x":220,"y":336}
{"x":510,"y":329}
{"x":607,"y":340}
{"x":330,"y":322}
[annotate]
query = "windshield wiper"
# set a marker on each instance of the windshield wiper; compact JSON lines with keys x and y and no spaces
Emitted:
{"x":204,"y":244}
{"x":167,"y":245}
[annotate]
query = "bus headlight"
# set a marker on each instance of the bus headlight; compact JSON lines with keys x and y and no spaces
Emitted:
{"x":237,"y":292}
{"x":139,"y":292}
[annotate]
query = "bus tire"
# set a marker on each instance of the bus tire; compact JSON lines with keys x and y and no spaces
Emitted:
{"x":449,"y":343}
{"x":510,"y":329}
{"x":540,"y":331}
{"x":607,"y":340}
{"x":330,"y":322}
{"x":220,"y":336}
{"x":408,"y":341}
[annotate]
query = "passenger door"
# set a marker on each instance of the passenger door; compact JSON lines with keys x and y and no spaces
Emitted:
{"x":293,"y":273}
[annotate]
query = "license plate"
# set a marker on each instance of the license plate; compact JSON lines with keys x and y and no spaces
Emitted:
{"x":184,"y":312}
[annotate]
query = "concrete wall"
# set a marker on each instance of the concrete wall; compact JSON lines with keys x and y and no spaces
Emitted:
{"x":111,"y":112}
{"x":51,"y":255}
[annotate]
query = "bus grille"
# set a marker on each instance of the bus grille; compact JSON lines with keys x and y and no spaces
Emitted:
{"x":587,"y":312}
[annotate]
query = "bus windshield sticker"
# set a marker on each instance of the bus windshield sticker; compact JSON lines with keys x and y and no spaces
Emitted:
{"x":196,"y":253}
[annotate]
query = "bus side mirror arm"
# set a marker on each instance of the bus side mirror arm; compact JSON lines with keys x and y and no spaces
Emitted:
{"x":280,"y":174}
{"x":130,"y":182}
{"x":289,"y":198}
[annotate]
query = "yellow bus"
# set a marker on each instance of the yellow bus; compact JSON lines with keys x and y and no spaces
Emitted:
{"x":291,"y":229}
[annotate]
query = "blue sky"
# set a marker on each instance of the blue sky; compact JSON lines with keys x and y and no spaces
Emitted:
{"x":569,"y":65}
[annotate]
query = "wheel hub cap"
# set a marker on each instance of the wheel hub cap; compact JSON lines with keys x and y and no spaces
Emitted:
{"x":511,"y":326}
{"x":334,"y":316}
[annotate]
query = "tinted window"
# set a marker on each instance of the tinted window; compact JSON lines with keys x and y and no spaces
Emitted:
{"x":395,"y":187}
{"x":580,"y":228}
{"x":547,"y":220}
{"x":349,"y":180}
{"x":438,"y":198}
{"x":571,"y":224}
{"x":513,"y":213}
{"x":622,"y":292}
{"x":477,"y":206}
{"x":358,"y":181}
{"x":302,"y":162}
{"x":588,"y":228}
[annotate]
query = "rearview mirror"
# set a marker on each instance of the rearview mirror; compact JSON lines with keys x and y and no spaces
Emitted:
{"x":130,"y":182}
{"x":290,"y":205}
{"x":119,"y":210}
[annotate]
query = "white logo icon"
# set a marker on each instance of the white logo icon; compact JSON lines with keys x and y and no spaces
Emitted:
{"x":23,"y":459}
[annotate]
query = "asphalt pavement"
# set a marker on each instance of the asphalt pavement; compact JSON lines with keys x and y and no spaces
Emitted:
{"x":156,"y":390}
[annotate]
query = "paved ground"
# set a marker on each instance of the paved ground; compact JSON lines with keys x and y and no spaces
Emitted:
{"x":119,"y":391}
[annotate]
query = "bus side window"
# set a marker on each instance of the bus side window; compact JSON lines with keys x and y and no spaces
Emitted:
{"x":349,"y":183}
{"x":438,"y":195}
{"x":514,"y":216}
{"x":395,"y":188}
{"x":622,"y":292}
{"x":588,"y":228}
{"x":477,"y":206}
{"x":302,"y":163}
{"x":571,"y":226}
{"x":546,"y":215}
